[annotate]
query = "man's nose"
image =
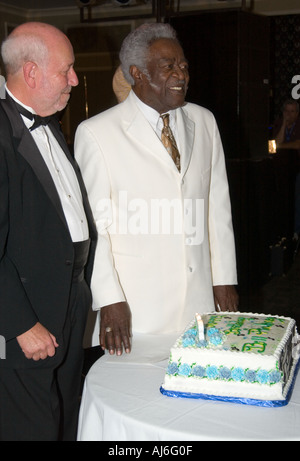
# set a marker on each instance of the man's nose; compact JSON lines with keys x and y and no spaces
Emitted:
{"x":73,"y":79}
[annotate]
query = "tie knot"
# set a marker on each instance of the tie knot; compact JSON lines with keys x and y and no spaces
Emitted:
{"x":165,"y":119}
{"x":38,"y":121}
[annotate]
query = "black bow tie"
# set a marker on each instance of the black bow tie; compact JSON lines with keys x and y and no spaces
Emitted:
{"x":38,"y":120}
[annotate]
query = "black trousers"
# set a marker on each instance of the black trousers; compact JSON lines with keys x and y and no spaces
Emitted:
{"x":42,"y":403}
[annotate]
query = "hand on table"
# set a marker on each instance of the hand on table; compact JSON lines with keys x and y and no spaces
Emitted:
{"x":115,"y":328}
{"x":37,"y":343}
{"x":226,"y":297}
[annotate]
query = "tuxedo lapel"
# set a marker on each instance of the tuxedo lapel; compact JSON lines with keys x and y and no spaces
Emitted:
{"x":54,"y":126}
{"x":26,"y":146}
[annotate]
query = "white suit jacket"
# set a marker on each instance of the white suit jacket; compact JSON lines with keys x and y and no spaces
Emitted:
{"x":165,"y":238}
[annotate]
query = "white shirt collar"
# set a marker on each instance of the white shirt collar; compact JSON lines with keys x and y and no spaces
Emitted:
{"x":26,"y":120}
{"x":153,"y":116}
{"x":19,"y":102}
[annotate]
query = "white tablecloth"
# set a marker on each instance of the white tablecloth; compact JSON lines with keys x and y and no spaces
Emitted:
{"x":121,"y":401}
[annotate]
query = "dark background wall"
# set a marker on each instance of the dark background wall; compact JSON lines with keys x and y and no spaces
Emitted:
{"x":285,"y":58}
{"x":241,"y":65}
{"x":228,"y":54}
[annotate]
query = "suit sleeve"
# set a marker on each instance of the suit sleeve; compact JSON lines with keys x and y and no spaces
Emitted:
{"x":16,"y":313}
{"x":221,"y":236}
{"x":105,"y":285}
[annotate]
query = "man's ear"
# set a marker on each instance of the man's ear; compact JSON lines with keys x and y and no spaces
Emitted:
{"x":29,"y":72}
{"x":136,"y":74}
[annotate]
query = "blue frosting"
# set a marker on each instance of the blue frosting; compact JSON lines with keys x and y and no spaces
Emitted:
{"x":214,"y":338}
{"x":237,"y":374}
{"x":250,"y":374}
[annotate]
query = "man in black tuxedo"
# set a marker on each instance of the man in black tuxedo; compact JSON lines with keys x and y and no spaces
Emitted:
{"x":47,"y":240}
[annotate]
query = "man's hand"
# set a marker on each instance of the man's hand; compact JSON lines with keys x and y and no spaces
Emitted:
{"x":226,"y":298}
{"x":115,"y":328}
{"x":37,"y":343}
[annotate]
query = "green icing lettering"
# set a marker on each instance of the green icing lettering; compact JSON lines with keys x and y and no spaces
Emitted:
{"x":256,"y":346}
{"x":259,"y":338}
{"x":234,"y":327}
{"x":256,"y":331}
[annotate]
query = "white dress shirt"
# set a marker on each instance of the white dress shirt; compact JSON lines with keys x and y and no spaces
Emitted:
{"x":155,"y":119}
{"x":63,"y":175}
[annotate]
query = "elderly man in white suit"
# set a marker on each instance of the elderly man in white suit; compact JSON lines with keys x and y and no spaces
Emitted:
{"x":166,"y":246}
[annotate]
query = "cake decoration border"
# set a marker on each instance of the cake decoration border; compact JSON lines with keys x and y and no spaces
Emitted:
{"x":238,"y":400}
{"x":222,"y":373}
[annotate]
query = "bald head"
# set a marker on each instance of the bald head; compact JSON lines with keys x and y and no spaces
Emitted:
{"x":39,"y":63}
{"x":28,"y":42}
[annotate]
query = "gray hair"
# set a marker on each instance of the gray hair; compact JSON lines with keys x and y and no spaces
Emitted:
{"x":135,"y":46}
{"x":18,"y":49}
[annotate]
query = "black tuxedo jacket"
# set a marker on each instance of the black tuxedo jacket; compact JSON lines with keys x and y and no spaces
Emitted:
{"x":36,"y":250}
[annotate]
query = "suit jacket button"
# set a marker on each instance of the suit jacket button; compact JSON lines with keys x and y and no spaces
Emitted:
{"x":68,"y":262}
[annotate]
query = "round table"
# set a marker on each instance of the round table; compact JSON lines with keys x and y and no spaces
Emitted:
{"x":122,"y":401}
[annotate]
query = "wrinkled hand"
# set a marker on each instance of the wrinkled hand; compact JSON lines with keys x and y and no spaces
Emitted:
{"x":116,"y":317}
{"x":226,"y":297}
{"x":37,"y":343}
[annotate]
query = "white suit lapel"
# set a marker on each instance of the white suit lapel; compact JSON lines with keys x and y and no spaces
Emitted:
{"x":186,"y":134}
{"x":140,"y":129}
{"x":142,"y":133}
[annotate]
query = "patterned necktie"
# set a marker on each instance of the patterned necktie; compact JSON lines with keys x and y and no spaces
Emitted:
{"x":169,"y":142}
